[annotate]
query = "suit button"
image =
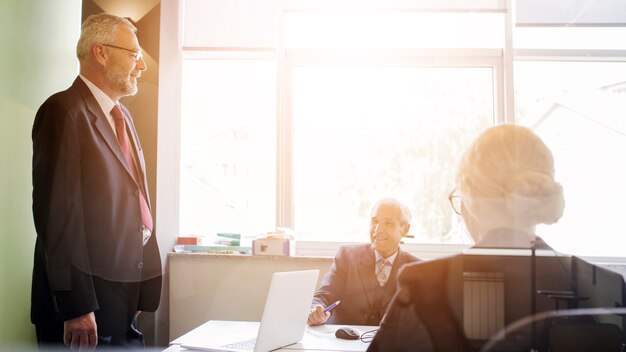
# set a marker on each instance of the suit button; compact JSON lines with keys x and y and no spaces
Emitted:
{"x":140,"y":265}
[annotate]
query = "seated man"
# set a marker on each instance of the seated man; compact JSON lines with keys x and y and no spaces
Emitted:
{"x":363,"y":276}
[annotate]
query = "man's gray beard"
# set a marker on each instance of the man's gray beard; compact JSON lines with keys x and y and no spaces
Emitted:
{"x":125,"y":86}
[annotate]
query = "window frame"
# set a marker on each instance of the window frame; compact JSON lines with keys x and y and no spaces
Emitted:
{"x":577,"y":56}
{"x":173,"y":52}
{"x":295,"y":58}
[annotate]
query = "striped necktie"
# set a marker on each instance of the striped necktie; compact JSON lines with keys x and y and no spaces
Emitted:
{"x":381,"y":276}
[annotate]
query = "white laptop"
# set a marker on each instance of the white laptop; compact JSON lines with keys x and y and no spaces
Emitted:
{"x":284,"y":316}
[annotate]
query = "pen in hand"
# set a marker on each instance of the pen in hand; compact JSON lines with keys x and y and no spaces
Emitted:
{"x":331,"y":307}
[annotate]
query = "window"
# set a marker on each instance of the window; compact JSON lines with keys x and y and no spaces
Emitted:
{"x":228,"y":146}
{"x":361,"y":133}
{"x":309,"y":131}
{"x":574,"y":97}
{"x":302,"y":113}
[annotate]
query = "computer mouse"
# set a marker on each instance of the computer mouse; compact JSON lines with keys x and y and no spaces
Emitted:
{"x":347,"y":333}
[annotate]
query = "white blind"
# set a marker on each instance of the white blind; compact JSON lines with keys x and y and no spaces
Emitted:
{"x":229,"y":24}
{"x":571,"y":12}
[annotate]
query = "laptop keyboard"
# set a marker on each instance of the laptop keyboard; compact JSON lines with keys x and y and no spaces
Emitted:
{"x":243,"y":345}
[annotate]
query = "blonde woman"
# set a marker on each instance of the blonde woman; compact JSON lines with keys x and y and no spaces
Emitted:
{"x":505,"y":186}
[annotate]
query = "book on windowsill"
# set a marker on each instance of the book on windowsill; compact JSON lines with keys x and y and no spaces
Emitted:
{"x":218,"y":249}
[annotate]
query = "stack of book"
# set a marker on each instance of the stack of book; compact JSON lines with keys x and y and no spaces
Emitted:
{"x":223,"y":243}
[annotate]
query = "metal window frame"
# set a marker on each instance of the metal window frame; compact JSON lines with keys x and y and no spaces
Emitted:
{"x":501,"y":61}
{"x":490,"y":58}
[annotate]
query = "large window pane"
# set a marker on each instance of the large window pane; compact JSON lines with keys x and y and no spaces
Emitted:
{"x":228,"y":147}
{"x":366,"y":132}
{"x":579,"y":109}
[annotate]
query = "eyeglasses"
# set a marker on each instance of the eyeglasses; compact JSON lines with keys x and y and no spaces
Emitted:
{"x":137,"y":53}
{"x":456,"y":201}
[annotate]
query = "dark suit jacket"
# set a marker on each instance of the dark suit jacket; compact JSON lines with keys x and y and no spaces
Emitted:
{"x":420,"y":317}
{"x":87,"y":215}
{"x":352,"y":280}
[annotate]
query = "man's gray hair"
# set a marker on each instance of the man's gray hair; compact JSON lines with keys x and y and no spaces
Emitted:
{"x":100,"y":28}
{"x":405,"y":213}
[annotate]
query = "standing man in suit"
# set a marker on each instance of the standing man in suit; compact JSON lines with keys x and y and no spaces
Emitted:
{"x":96,"y":263}
{"x":363,"y":276}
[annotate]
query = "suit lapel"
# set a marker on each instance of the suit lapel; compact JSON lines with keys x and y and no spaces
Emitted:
{"x":392,"y":282}
{"x":400,"y":260}
{"x":101,"y":123}
{"x":366,"y":274}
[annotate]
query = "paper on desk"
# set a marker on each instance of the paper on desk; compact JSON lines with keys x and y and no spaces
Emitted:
{"x":321,"y":330}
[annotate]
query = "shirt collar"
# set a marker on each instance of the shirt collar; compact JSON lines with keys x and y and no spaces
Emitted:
{"x":106,"y":103}
{"x":391,"y":259}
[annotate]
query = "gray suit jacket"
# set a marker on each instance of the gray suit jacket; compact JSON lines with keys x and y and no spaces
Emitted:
{"x":352,"y":280}
{"x":86,"y":213}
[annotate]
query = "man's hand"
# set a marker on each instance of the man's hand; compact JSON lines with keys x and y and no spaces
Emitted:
{"x":317,"y":316}
{"x":81,"y":333}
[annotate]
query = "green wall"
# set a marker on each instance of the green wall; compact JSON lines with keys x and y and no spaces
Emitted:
{"x":37,"y":58}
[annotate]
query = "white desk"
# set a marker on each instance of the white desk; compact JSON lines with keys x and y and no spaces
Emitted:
{"x":316,"y":338}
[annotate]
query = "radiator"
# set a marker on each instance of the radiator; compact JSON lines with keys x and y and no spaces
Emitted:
{"x":483,"y":304}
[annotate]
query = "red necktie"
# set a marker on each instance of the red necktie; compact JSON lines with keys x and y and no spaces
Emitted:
{"x":122,"y":136}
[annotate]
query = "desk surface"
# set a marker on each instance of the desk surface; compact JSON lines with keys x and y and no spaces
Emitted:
{"x":316,"y":338}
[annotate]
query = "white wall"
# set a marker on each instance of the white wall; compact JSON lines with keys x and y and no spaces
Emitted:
{"x":37,"y":58}
{"x":225,"y":287}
